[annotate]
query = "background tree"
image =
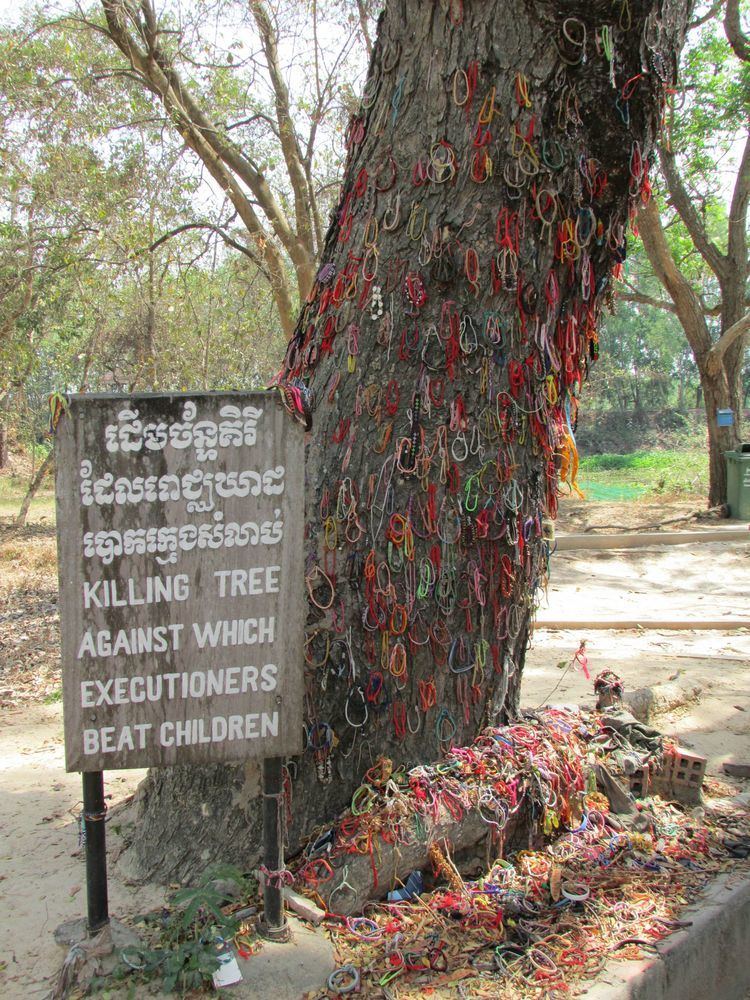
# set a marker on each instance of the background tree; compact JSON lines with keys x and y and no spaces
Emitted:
{"x":116,"y":264}
{"x":698,"y":250}
{"x":216,"y":73}
{"x":645,"y":364}
{"x":492,"y":166}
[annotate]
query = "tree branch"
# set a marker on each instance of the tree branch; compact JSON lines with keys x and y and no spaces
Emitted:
{"x":640,"y":298}
{"x":363,"y":26}
{"x":288,"y":138}
{"x":683,"y":204}
{"x":737,"y":271}
{"x":716,"y":354}
{"x":712,"y":11}
{"x":224,"y":161}
{"x":211,"y":227}
{"x":636,"y":296}
{"x":150,"y":31}
{"x":687,"y":304}
{"x":157,"y":74}
{"x":259,"y":117}
{"x":30,"y":294}
{"x":733,"y":29}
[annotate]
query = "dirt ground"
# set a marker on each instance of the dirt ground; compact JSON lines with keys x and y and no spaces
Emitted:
{"x":707,"y":581}
{"x":42,"y":871}
{"x":42,"y":877}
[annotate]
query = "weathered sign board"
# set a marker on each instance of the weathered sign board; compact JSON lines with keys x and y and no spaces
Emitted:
{"x":180,"y":537}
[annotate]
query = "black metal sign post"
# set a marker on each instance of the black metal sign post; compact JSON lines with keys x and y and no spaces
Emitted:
{"x":274,"y":926}
{"x":94,"y":815}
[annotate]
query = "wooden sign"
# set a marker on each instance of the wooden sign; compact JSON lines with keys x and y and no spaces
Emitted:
{"x":180,"y":539}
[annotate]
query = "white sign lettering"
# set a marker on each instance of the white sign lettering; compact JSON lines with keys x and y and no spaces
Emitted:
{"x":180,"y":522}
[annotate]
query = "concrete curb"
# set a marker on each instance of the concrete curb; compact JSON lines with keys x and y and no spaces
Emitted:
{"x":572,"y":543}
{"x":629,"y":624}
{"x":710,"y":959}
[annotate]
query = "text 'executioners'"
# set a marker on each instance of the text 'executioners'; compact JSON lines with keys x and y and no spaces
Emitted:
{"x":175,"y":686}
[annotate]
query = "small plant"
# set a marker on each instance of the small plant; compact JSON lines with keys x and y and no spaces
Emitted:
{"x":185,"y":937}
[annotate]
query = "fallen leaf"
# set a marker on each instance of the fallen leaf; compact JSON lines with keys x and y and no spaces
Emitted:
{"x":454,"y":977}
{"x":555,"y":881}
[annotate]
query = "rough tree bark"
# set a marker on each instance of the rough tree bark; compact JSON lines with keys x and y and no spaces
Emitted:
{"x":491,"y":172}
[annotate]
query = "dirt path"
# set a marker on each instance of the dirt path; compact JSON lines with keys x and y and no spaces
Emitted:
{"x":717,"y":725}
{"x":42,"y":879}
{"x":682,"y":582}
{"x":42,"y":875}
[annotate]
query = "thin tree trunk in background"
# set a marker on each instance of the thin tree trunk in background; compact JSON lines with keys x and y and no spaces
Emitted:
{"x":491,"y":173}
{"x":5,"y":398}
{"x":719,"y":387}
{"x":38,"y":475}
{"x":722,"y":391}
{"x":36,"y":481}
{"x":720,"y":439}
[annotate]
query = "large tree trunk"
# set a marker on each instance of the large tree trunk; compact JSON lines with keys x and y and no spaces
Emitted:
{"x":491,"y":173}
{"x":717,"y":396}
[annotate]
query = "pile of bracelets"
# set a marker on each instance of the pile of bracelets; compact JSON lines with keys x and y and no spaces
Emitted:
{"x":536,"y":921}
{"x":537,"y":767}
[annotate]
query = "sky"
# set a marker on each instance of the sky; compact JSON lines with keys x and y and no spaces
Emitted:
{"x":10,"y":10}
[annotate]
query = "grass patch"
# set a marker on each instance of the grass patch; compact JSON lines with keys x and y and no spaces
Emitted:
{"x":12,"y":491}
{"x":42,"y":509}
{"x":660,"y":473}
{"x":28,"y":562}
